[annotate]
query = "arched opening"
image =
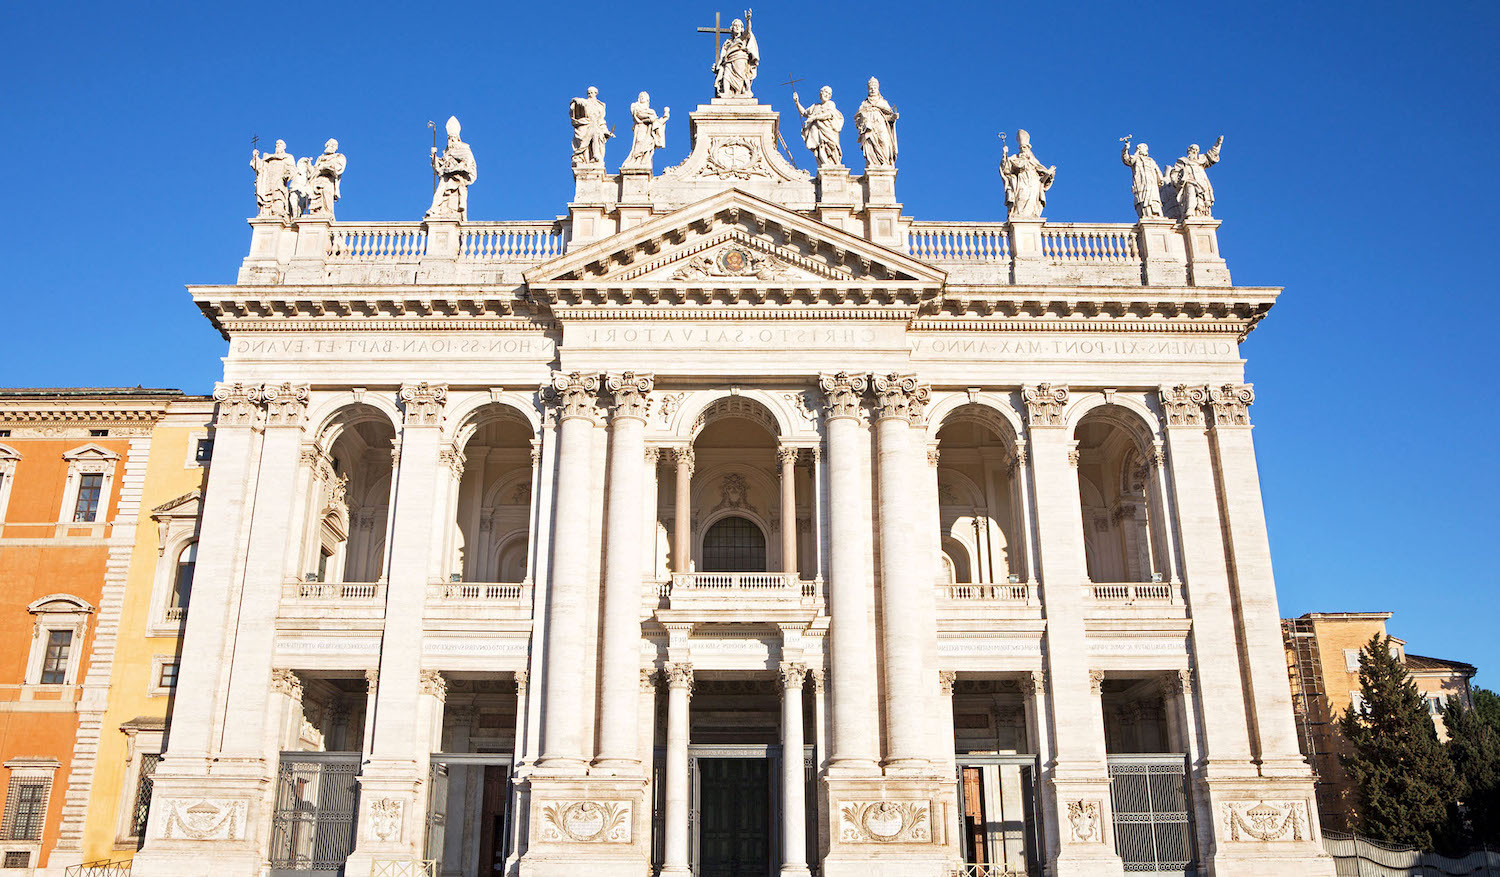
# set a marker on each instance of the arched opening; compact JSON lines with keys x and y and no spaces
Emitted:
{"x":493,"y":507}
{"x":182,"y":578}
{"x":977,"y":500}
{"x":733,"y":544}
{"x":1116,"y":497}
{"x":352,"y":496}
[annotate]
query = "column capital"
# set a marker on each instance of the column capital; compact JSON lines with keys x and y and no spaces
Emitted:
{"x":682,"y":455}
{"x":432,"y":683}
{"x":450,"y":456}
{"x":901,"y":397}
{"x":934,"y":455}
{"x":792,"y":674}
{"x":946,"y":678}
{"x":632,"y":394}
{"x":372,"y":679}
{"x":842,"y":394}
{"x":648,"y":679}
{"x":1183,"y":404}
{"x":679,"y":674}
{"x":286,"y":404}
{"x":787,"y":455}
{"x":819,"y":678}
{"x":1096,"y":681}
{"x":1044,"y":404}
{"x":1180,"y":682}
{"x":653,"y":455}
{"x":423,"y":403}
{"x":239,"y":405}
{"x":1034,"y":683}
{"x":574,"y":394}
{"x":1231,"y":404}
{"x":286,"y":682}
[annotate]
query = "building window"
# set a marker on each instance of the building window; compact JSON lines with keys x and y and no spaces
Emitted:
{"x":98,"y":433}
{"x":182,"y":582}
{"x":166,"y":677}
{"x":25,"y":808}
{"x":141,"y":804}
{"x":204,"y":451}
{"x":86,"y":506}
{"x":4,"y":433}
{"x":16,"y":859}
{"x":55,"y":662}
{"x":734,"y":544}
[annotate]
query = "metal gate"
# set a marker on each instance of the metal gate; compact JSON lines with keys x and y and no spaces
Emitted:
{"x":312,"y":827}
{"x":1153,"y":831}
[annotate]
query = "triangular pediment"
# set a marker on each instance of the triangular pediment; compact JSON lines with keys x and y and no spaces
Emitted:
{"x":735,"y":240}
{"x":185,"y":506}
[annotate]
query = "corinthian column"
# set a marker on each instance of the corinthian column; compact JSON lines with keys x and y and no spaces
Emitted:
{"x":562,"y":724}
{"x":856,"y":745}
{"x":901,"y":400}
{"x":619,"y":734}
{"x":675,"y":833}
{"x":682,"y":525}
{"x":793,"y":782}
{"x":788,"y":458}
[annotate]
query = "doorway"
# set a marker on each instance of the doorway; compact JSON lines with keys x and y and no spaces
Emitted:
{"x":734,"y":817}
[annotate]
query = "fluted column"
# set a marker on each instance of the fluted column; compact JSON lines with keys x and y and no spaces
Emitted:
{"x":675,"y":840}
{"x":793,"y":782}
{"x":788,"y":458}
{"x":901,"y":400}
{"x":562,"y":722}
{"x":619,"y":734}
{"x":682,"y":522}
{"x":856,"y":745}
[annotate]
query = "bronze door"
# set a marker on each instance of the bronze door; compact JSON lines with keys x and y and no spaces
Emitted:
{"x":734,"y":811}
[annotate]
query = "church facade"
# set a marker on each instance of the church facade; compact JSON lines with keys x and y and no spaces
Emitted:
{"x":737,"y":523}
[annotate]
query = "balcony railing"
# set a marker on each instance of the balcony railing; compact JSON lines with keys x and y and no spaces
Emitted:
{"x":1008,"y":592}
{"x":483,"y":593}
{"x":772,"y":585}
{"x":1126,"y":593}
{"x":299,"y":589}
{"x":988,"y":870}
{"x":176,"y":613}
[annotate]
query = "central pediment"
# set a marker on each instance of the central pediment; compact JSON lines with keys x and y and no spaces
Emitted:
{"x":741,"y":246}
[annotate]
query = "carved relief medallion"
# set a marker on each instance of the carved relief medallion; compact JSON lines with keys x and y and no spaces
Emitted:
{"x":586,"y":821}
{"x":385,"y":818}
{"x":1083,"y":822}
{"x":885,"y":822}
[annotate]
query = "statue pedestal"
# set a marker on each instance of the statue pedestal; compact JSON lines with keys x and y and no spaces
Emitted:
{"x":1205,"y":266}
{"x":272,"y":243}
{"x":635,"y":197}
{"x":734,"y":146}
{"x":1026,"y":264}
{"x":593,"y":199}
{"x":837,"y":197}
{"x":1162,"y":252}
{"x":882,"y":211}
{"x":314,"y":244}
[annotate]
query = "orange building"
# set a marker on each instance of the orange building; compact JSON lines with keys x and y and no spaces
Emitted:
{"x":72,"y":468}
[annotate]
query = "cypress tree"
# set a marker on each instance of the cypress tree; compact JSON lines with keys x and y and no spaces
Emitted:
{"x":1405,"y":784}
{"x":1474,"y":750}
{"x":1487,"y":705}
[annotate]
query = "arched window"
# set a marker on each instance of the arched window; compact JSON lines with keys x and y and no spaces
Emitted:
{"x":182,"y":582}
{"x":734,"y":544}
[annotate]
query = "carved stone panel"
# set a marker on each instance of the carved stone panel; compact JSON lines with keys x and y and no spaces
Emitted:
{"x":203,"y":819}
{"x":585,"y":821}
{"x":1084,"y":822}
{"x":1265,"y":821}
{"x":885,"y":821}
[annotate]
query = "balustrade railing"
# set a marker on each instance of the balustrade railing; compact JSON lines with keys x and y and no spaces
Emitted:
{"x":378,"y":242}
{"x":511,"y":242}
{"x":959,"y":241}
{"x":336,"y":591}
{"x":1093,"y":244}
{"x":1132,"y":592}
{"x":1004,"y":591}
{"x":176,"y":613}
{"x":766,"y":584}
{"x":479,"y":592}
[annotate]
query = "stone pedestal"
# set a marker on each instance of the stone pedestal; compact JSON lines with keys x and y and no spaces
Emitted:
{"x":734,"y":144}
{"x":1086,"y":841}
{"x":1026,"y":264}
{"x":1263,"y":827}
{"x":1205,"y":266}
{"x":838,"y":198}
{"x":392,"y":820}
{"x":272,"y":243}
{"x":888,"y":827}
{"x":208,"y":824}
{"x":635,"y":197}
{"x":586,"y":825}
{"x":882,"y":211}
{"x":313,"y":247}
{"x":1163,"y":252}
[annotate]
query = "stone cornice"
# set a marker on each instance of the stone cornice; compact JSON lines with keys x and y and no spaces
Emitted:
{"x":84,"y":412}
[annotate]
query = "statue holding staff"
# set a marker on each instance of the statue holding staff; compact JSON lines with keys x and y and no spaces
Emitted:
{"x":648,"y":134}
{"x":272,"y":173}
{"x":1145,"y":179}
{"x":876,"y":121}
{"x":1026,"y":179}
{"x":734,"y":71}
{"x":456,"y":171}
{"x":821,"y":124}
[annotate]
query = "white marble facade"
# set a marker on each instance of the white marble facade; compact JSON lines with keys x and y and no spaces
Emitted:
{"x":479,"y":489}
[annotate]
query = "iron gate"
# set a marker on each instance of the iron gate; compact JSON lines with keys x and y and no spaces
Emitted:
{"x":312,"y":827}
{"x":1153,"y":832}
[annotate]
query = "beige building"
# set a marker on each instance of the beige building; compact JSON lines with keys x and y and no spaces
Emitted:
{"x":735,"y":523}
{"x":1322,"y":650}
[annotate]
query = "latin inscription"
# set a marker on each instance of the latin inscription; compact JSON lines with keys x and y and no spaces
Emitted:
{"x":381,"y":346}
{"x":728,"y":336}
{"x":941,"y":347}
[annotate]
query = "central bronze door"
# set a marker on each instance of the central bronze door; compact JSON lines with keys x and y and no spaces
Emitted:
{"x":734,"y":809}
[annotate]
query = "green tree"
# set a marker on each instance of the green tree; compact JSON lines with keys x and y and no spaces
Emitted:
{"x":1405,"y":785}
{"x":1474,"y":750}
{"x":1487,"y":705}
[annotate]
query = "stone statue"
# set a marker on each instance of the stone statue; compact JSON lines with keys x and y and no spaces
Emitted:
{"x":1189,"y":177}
{"x":821,"y":124}
{"x":1026,"y":179}
{"x":1145,"y":182}
{"x":738,"y":57}
{"x":272,"y":172}
{"x":649,"y":133}
{"x":589,"y":130}
{"x":876,"y":121}
{"x":327,"y":170}
{"x":456,"y":172}
{"x":299,"y":187}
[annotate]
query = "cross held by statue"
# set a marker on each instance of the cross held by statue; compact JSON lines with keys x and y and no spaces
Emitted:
{"x":791,"y":82}
{"x":717,"y":31}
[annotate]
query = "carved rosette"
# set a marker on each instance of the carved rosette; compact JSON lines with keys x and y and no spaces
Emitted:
{"x":632,"y":394}
{"x":1231,"y":403}
{"x":885,"y":822}
{"x":1044,"y":404}
{"x":585,"y":822}
{"x":239,"y":405}
{"x":901,"y":397}
{"x":792,"y":674}
{"x":576,"y":395}
{"x":842,"y":393}
{"x":424,"y":403}
{"x":1183,"y":404}
{"x":286,"y":404}
{"x":1085,"y":822}
{"x":431,"y":682}
{"x":286,"y":682}
{"x":203,"y":819}
{"x":1266,"y":821}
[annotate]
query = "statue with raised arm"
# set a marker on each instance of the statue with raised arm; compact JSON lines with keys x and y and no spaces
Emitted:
{"x":456,"y":171}
{"x":648,"y":134}
{"x":876,"y":121}
{"x":327,"y":170}
{"x":1026,"y":179}
{"x":821,"y":124}
{"x":1145,"y":180}
{"x":589,"y":130}
{"x":1189,"y":177}
{"x":272,"y":173}
{"x":734,"y":71}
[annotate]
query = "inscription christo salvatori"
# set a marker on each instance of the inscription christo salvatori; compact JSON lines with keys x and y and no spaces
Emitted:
{"x":730,"y":336}
{"x":388,"y":346}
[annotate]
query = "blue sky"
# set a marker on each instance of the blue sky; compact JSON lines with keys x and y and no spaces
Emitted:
{"x":1357,"y":172}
